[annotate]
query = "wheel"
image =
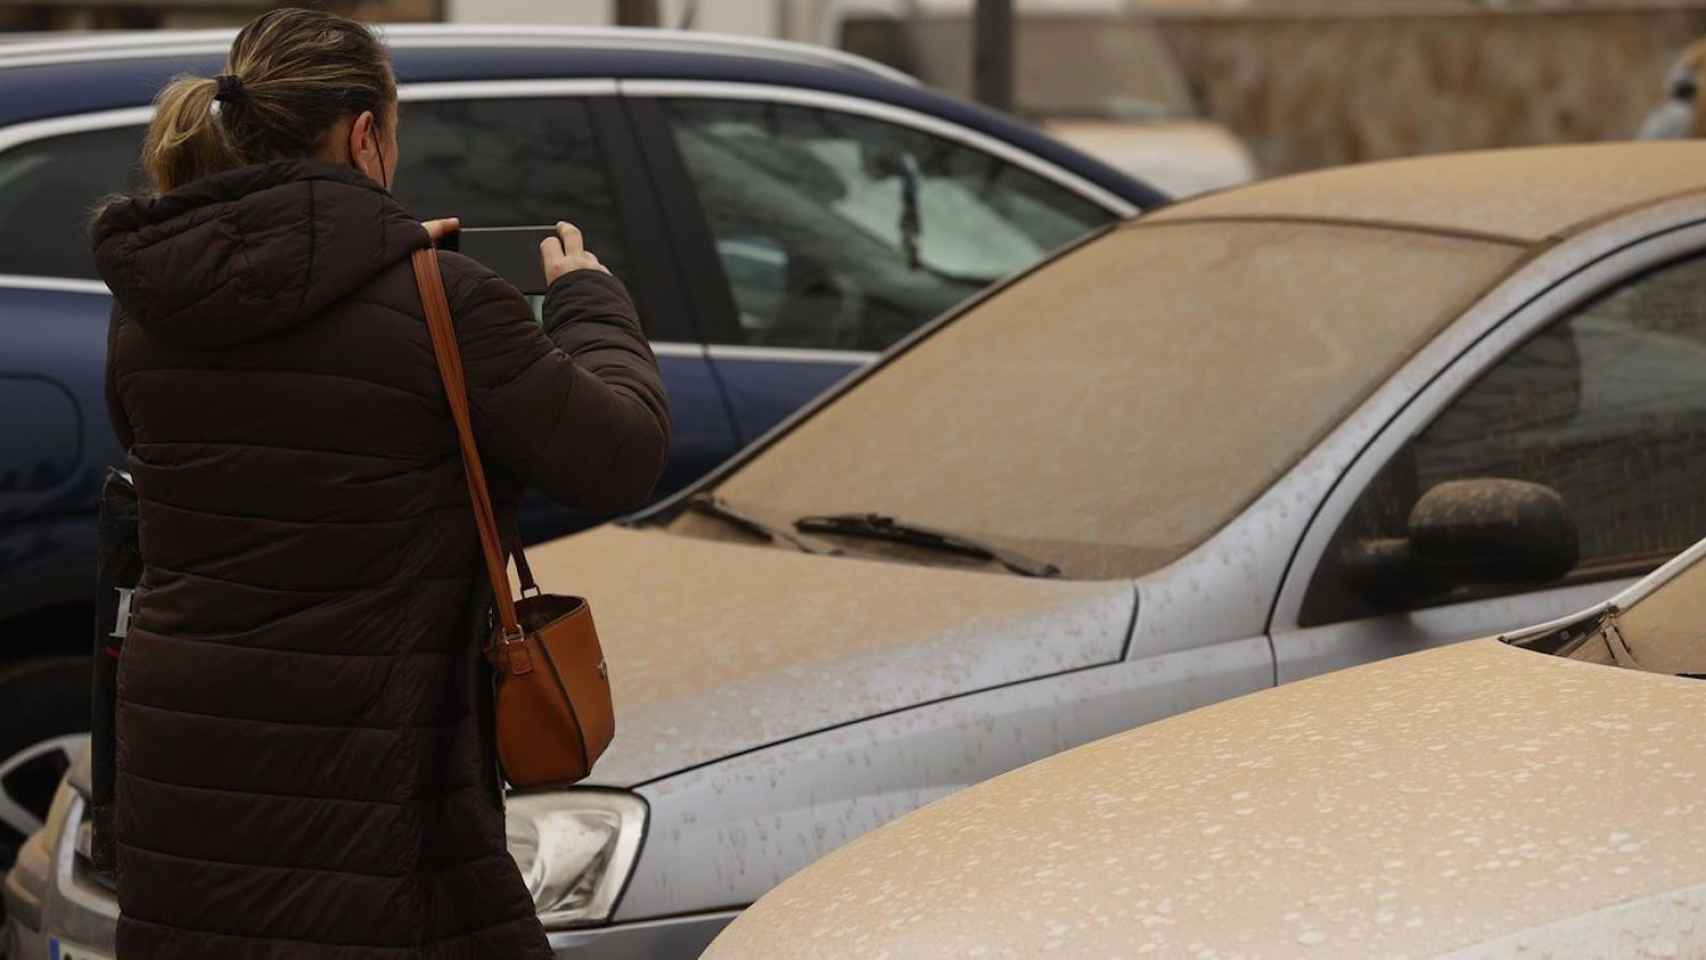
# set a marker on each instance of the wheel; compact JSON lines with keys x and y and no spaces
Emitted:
{"x":43,"y":724}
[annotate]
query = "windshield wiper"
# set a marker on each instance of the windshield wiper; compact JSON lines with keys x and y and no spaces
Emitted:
{"x":876,"y":526}
{"x":711,"y":505}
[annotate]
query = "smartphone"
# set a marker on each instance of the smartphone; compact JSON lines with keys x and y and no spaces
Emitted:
{"x":510,"y":252}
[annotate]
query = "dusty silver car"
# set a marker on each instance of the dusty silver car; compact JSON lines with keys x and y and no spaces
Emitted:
{"x":1535,"y":795}
{"x":1249,"y":439}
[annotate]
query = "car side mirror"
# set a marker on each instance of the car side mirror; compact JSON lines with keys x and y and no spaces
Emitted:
{"x":1467,"y":533}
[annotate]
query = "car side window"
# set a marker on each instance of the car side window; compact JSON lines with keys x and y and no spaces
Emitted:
{"x":1607,"y":406}
{"x":510,"y":163}
{"x":839,"y":231}
{"x":49,"y":189}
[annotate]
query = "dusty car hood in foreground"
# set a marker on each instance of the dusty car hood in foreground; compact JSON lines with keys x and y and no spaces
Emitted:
{"x":717,"y":648}
{"x":1476,"y":798}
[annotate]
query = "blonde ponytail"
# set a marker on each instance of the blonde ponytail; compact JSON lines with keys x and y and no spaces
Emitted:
{"x":292,"y":74}
{"x":186,"y":141}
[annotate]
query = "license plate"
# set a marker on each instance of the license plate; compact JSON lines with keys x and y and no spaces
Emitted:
{"x":60,"y":950}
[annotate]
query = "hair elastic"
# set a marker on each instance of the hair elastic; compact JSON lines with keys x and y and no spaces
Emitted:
{"x":230,"y":88}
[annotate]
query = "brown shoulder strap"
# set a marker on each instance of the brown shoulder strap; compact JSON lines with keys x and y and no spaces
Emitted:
{"x":523,"y":571}
{"x":437,"y":308}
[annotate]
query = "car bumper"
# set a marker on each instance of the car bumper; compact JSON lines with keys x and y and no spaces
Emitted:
{"x":18,"y":941}
{"x":684,"y":937}
{"x":22,"y":892}
{"x":26,"y":944}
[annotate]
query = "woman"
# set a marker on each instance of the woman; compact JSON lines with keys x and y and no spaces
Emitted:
{"x":304,"y":765}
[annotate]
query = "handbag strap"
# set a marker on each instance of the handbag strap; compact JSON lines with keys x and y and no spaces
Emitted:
{"x":523,"y":572}
{"x":437,"y":308}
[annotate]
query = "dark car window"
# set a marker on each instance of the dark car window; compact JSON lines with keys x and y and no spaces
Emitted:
{"x":509,"y":162}
{"x":1606,"y":406}
{"x":49,"y":189}
{"x":843,"y":232}
{"x":491,"y":162}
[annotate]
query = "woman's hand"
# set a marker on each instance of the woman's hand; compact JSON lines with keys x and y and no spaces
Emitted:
{"x":439,"y":229}
{"x":565,"y":253}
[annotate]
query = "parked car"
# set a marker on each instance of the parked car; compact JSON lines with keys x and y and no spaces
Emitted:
{"x":1529,"y":795}
{"x":782,"y":213}
{"x":1219,"y":447}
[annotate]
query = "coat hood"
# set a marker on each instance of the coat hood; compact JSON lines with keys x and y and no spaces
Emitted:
{"x":717,"y":648}
{"x":248,"y":253}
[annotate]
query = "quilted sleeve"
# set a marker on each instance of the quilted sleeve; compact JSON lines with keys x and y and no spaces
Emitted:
{"x":576,"y":407}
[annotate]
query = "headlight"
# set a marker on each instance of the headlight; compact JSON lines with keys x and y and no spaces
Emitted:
{"x":575,"y":850}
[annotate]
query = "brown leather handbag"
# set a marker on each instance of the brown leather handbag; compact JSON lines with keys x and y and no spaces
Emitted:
{"x":554,"y":715}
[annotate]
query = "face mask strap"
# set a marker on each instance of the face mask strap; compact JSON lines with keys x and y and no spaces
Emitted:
{"x":384,"y":174}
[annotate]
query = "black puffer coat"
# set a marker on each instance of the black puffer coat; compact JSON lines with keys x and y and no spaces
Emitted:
{"x":304,"y":761}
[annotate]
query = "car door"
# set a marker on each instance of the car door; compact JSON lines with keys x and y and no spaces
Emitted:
{"x":501,"y":154}
{"x":54,"y":441}
{"x":1597,"y":390}
{"x":825,"y":228}
{"x":54,"y":438}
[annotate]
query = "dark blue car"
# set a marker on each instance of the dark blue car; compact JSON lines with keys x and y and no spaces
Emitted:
{"x":782,"y":214}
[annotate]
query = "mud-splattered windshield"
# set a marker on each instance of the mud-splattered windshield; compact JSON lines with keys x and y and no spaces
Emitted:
{"x":1112,"y":410}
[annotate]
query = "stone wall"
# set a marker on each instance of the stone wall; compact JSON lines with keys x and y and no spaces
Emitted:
{"x":1306,"y":92}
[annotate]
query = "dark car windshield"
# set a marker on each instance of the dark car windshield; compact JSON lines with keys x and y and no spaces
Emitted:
{"x":1112,"y":410}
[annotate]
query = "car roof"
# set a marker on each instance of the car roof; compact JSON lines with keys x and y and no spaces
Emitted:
{"x":1473,"y":795}
{"x":83,"y":74}
{"x":126,"y":44}
{"x":1563,"y":189}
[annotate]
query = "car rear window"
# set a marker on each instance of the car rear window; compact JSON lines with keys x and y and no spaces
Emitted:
{"x":49,"y":189}
{"x":509,"y":162}
{"x":1115,"y":408}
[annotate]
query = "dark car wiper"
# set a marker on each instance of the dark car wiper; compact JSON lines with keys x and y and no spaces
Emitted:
{"x":711,"y":505}
{"x":876,"y":526}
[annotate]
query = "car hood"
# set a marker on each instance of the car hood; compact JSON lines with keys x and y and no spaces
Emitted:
{"x":718,"y":648}
{"x":1472,"y":800}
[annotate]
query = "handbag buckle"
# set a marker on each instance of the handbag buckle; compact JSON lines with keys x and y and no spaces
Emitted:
{"x":512,"y":646}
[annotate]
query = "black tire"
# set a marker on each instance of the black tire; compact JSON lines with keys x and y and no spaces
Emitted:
{"x":40,"y":699}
